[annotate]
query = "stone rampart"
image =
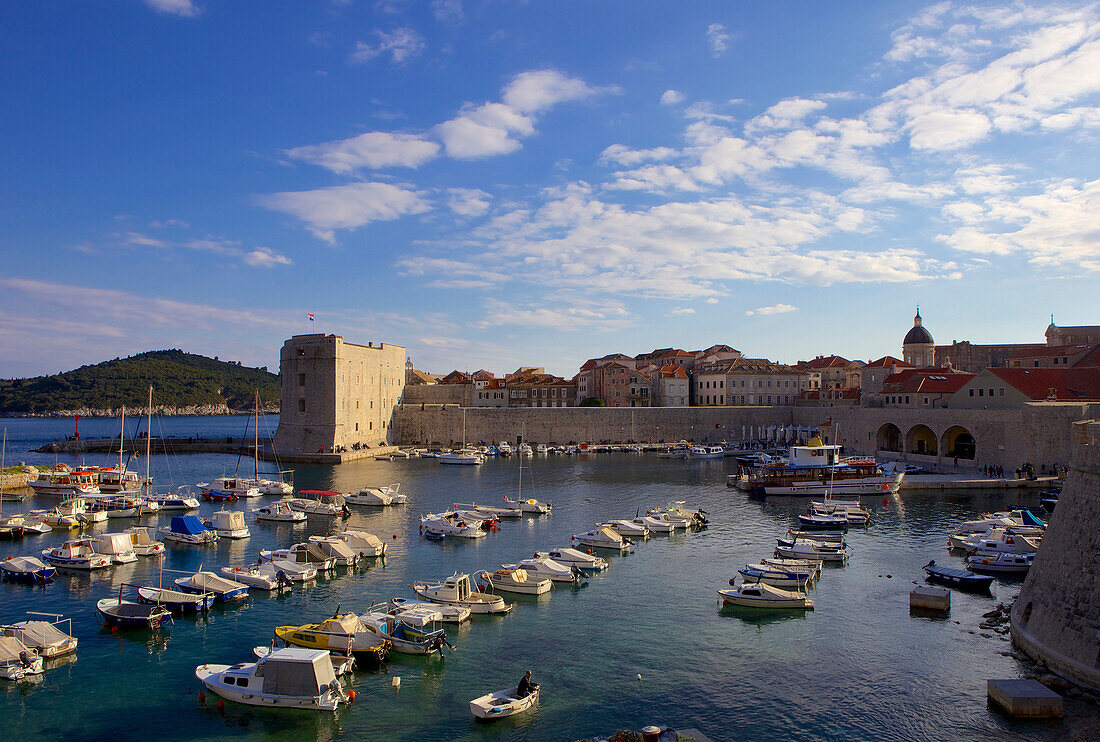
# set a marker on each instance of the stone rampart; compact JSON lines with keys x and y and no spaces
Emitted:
{"x":1056,"y":618}
{"x":434,"y":394}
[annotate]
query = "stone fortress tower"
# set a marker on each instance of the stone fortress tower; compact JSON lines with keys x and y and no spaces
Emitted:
{"x":1056,"y":619}
{"x":918,"y":349}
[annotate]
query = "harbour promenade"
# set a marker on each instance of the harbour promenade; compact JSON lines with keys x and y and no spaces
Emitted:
{"x":227,"y":445}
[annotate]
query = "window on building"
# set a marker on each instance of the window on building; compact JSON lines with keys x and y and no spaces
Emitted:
{"x":356,"y":427}
{"x":301,"y":379}
{"x":990,"y":392}
{"x":981,"y":392}
{"x":971,"y":392}
{"x":926,"y":401}
{"x":906,"y":399}
{"x":769,"y":399}
{"x":1002,"y":392}
{"x":301,"y":405}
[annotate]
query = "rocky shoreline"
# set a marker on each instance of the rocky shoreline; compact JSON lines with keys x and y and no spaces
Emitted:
{"x":159,"y":410}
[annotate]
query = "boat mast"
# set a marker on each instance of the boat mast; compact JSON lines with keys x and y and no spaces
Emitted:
{"x":523,"y":435}
{"x":256,"y":444}
{"x":148,"y":434}
{"x":3,"y":463}
{"x":121,"y":438}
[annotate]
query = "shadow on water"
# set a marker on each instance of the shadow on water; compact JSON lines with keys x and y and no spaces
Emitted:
{"x":759,"y":616}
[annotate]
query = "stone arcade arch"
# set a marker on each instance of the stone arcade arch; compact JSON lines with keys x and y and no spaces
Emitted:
{"x":959,"y":442}
{"x":889,"y":438}
{"x":921,"y":440}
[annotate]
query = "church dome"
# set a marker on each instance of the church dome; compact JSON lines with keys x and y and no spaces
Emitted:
{"x":916,"y":336}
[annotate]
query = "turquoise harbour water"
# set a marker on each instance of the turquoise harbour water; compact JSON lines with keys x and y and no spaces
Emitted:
{"x":859,"y":667}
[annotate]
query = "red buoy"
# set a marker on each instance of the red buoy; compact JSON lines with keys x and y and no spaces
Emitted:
{"x":221,"y":704}
{"x":351,"y":696}
{"x":202,"y":697}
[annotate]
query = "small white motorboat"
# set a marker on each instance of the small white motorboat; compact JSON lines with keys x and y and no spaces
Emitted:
{"x":76,"y":554}
{"x":503,"y":703}
{"x":456,"y":590}
{"x":34,"y":523}
{"x":49,"y":639}
{"x":362,"y":543}
{"x":304,"y":553}
{"x":451,"y":524}
{"x":541,"y":567}
{"x":335,"y":548}
{"x":228,"y":488}
{"x":286,"y":678}
{"x":319,"y":502}
{"x":187,"y":529}
{"x":416,"y":631}
{"x":658,"y":525}
{"x":508,"y":512}
{"x":806,"y":549}
{"x":279,"y":512}
{"x":143,"y":543}
{"x":760,"y":595}
{"x":810,"y":567}
{"x":587,"y":562}
{"x":228,"y":524}
{"x":293,"y":571}
{"x":224,"y":590}
{"x":627,"y":528}
{"x":254,"y":575}
{"x":513,"y":580}
{"x":603,"y":538}
{"x":379,"y":496}
{"x":342,"y":664}
{"x":117,"y":546}
{"x":181,"y":501}
{"x":530,"y":506}
{"x":17,"y":660}
{"x":450,"y":613}
{"x":1002,"y":541}
{"x":1000,"y":562}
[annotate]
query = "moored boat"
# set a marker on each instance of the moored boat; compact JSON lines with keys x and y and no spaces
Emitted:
{"x":540,"y":566}
{"x":143,"y":543}
{"x":341,"y":634}
{"x":503,"y":703}
{"x":960,"y":578}
{"x":279,"y":512}
{"x":176,"y":601}
{"x":760,"y":595}
{"x":289,"y":678}
{"x":513,"y":580}
{"x":362,"y":543}
{"x":1000,"y":563}
{"x":17,"y":660}
{"x":27,"y":569}
{"x":187,"y":529}
{"x":76,"y":554}
{"x":411,"y":632}
{"x":457,"y":590}
{"x":603,"y":538}
{"x":117,"y":546}
{"x":586,"y":562}
{"x":127,"y":614}
{"x":379,"y":496}
{"x":50,"y":639}
{"x":228,"y":524}
{"x":224,"y":590}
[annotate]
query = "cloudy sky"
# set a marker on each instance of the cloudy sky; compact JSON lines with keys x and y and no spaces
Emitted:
{"x":495,"y":183}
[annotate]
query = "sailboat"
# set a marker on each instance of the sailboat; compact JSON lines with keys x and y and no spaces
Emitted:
{"x":530,"y":506}
{"x":265,"y":486}
{"x":465,"y":456}
{"x":12,"y":528}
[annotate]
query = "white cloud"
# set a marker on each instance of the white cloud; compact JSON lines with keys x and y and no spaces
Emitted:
{"x":785,"y":114}
{"x":717,"y":36}
{"x":654,"y":178}
{"x":774,"y":309}
{"x":402,"y":44}
{"x":448,"y":11}
{"x":671,"y":97}
{"x":537,"y":90}
{"x":681,"y":311}
{"x":184,"y":8}
{"x":265,"y":257}
{"x":622,"y":155}
{"x":468,"y":201}
{"x":142,"y":240}
{"x":373,"y":150}
{"x":946,"y":129}
{"x":347,"y":207}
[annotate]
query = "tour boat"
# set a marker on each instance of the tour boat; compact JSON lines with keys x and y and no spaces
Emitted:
{"x":960,"y":578}
{"x":449,"y":524}
{"x":228,"y":524}
{"x":187,"y":529}
{"x":456,"y":590}
{"x":222,"y":487}
{"x":45,"y":637}
{"x":362,"y":543}
{"x":117,"y":546}
{"x":176,"y":601}
{"x":279,"y":512}
{"x":319,"y":502}
{"x":17,"y":660}
{"x":544,"y":567}
{"x":412,"y":632}
{"x":706,"y":452}
{"x":450,"y":613}
{"x":254,"y":575}
{"x":530,"y":506}
{"x":65,"y":483}
{"x":818,"y":470}
{"x":627,"y":528}
{"x":307,"y":554}
{"x":772,"y":576}
{"x":26,"y":569}
{"x":127,"y":614}
{"x":142,"y":541}
{"x":586,"y":562}
{"x":224,"y":590}
{"x":760,"y":595}
{"x":181,"y":501}
{"x":342,"y":634}
{"x":1000,"y":563}
{"x":289,"y":678}
{"x":76,"y":554}
{"x":503,"y":703}
{"x":513,"y":580}
{"x":112,"y":479}
{"x":377,"y":496}
{"x":603,"y":538}
{"x":336,"y":549}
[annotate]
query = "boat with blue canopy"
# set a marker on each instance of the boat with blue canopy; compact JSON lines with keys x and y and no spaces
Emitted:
{"x":187,"y":529}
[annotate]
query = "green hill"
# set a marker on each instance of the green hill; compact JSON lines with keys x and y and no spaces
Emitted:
{"x":179,"y":379}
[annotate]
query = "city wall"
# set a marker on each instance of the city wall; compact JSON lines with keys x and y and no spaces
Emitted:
{"x":1056,"y":618}
{"x":1039,"y":433}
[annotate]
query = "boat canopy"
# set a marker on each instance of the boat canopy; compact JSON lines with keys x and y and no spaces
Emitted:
{"x":11,"y":648}
{"x":37,"y":633}
{"x":347,"y":624}
{"x":297,"y":672}
{"x":1030,"y":520}
{"x":24,"y":564}
{"x":187,"y":524}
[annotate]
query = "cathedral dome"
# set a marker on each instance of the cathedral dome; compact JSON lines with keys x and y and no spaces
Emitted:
{"x":916,"y":336}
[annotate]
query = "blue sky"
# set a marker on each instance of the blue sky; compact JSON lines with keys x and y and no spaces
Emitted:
{"x":494,"y":183}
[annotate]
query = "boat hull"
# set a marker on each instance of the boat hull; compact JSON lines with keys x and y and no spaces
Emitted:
{"x":211,"y":678}
{"x":502,"y":704}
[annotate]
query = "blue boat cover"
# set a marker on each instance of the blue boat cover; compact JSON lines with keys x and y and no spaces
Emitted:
{"x":1031,"y":520}
{"x":187,"y":524}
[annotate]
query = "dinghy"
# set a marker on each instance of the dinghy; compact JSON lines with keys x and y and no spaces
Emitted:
{"x":503,"y":703}
{"x":126,"y":614}
{"x":959,"y":578}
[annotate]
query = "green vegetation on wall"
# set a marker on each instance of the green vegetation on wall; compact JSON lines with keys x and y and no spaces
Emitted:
{"x":179,"y":379}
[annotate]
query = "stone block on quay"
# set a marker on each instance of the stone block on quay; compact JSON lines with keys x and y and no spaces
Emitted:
{"x":1025,"y":698}
{"x":930,"y":599}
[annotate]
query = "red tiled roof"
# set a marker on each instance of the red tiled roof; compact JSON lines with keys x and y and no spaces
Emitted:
{"x":671,"y":370}
{"x":1049,"y":351}
{"x":927,"y":380}
{"x":1091,"y":359}
{"x":827,"y":362}
{"x":588,"y":365}
{"x":1061,"y":384}
{"x":887,"y":361}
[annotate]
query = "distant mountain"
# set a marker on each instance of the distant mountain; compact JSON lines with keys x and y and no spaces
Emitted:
{"x":179,"y":380}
